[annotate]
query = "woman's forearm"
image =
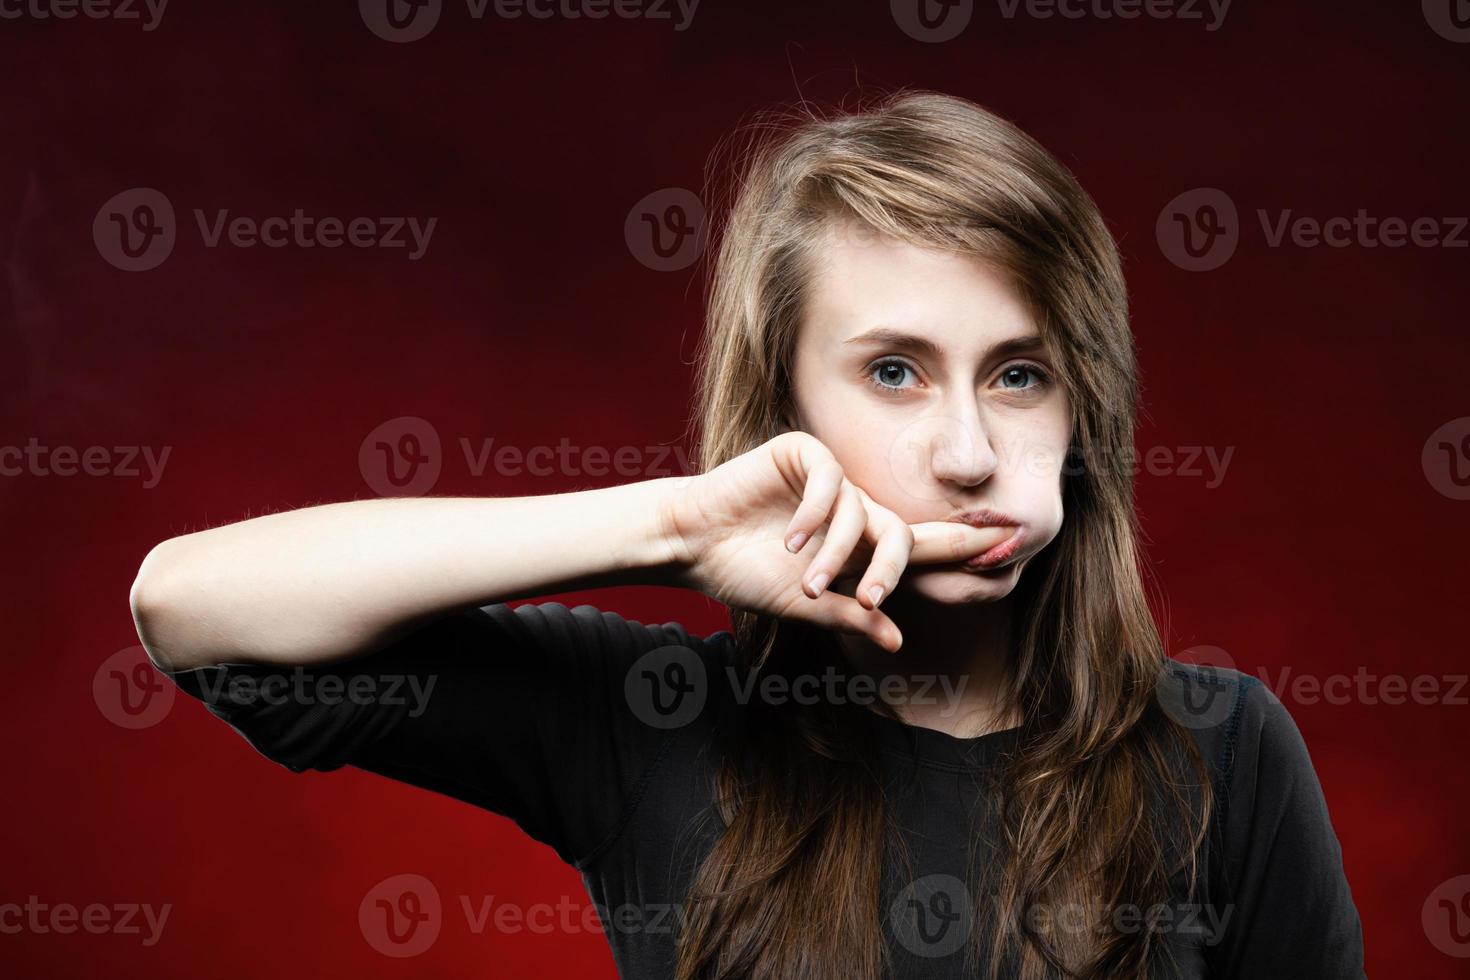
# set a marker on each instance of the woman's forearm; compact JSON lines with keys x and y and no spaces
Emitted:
{"x":336,"y":580}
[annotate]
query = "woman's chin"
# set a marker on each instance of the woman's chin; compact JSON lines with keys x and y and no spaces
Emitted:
{"x":956,"y":584}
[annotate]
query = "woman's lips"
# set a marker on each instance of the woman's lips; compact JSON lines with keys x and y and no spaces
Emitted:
{"x":1001,"y":553}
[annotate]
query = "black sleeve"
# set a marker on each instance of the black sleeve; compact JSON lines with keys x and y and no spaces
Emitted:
{"x":521,"y":711}
{"x":1291,"y":913}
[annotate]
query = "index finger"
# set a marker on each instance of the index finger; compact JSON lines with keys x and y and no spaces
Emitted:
{"x":944,"y":541}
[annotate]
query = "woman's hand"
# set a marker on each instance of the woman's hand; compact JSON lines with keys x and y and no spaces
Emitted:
{"x":770,"y":530}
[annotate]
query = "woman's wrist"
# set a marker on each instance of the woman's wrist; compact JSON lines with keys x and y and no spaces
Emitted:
{"x":661,"y":553}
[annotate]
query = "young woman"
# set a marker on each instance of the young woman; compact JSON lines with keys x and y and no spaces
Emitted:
{"x":942,"y":738}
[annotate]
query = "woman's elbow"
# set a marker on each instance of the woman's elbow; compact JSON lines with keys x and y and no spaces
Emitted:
{"x":156,"y":610}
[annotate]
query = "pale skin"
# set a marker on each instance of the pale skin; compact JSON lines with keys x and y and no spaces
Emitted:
{"x":334,"y":581}
{"x":913,"y":367}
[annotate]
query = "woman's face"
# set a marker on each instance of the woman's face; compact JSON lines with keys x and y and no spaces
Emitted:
{"x":924,"y":374}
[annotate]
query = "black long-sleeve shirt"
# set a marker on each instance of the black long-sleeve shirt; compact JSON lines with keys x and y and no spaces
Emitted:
{"x":594,"y":733}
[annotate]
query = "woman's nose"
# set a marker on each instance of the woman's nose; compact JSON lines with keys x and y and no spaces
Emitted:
{"x":938,"y":451}
{"x":960,"y":451}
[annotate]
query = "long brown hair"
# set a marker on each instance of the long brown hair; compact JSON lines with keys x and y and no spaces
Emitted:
{"x":1092,"y":811}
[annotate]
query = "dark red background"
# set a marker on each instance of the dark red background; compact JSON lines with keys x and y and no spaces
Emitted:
{"x":1325,"y":548}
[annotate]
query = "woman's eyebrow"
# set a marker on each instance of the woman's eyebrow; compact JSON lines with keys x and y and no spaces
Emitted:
{"x":900,"y":340}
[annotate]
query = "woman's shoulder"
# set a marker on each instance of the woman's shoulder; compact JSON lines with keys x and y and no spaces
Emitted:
{"x":1235,"y":718}
{"x":1277,"y":869}
{"x":1256,"y":753}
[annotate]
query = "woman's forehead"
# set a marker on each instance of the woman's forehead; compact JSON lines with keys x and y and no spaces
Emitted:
{"x":866,"y":293}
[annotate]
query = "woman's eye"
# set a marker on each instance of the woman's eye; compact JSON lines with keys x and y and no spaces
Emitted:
{"x":1019,"y":373}
{"x":890,"y":374}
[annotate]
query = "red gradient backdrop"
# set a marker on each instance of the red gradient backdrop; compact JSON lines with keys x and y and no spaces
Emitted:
{"x":1327,"y":547}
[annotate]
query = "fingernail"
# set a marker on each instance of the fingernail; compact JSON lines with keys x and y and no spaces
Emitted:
{"x":877,"y":593}
{"x":819,"y":583}
{"x":794,"y":543}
